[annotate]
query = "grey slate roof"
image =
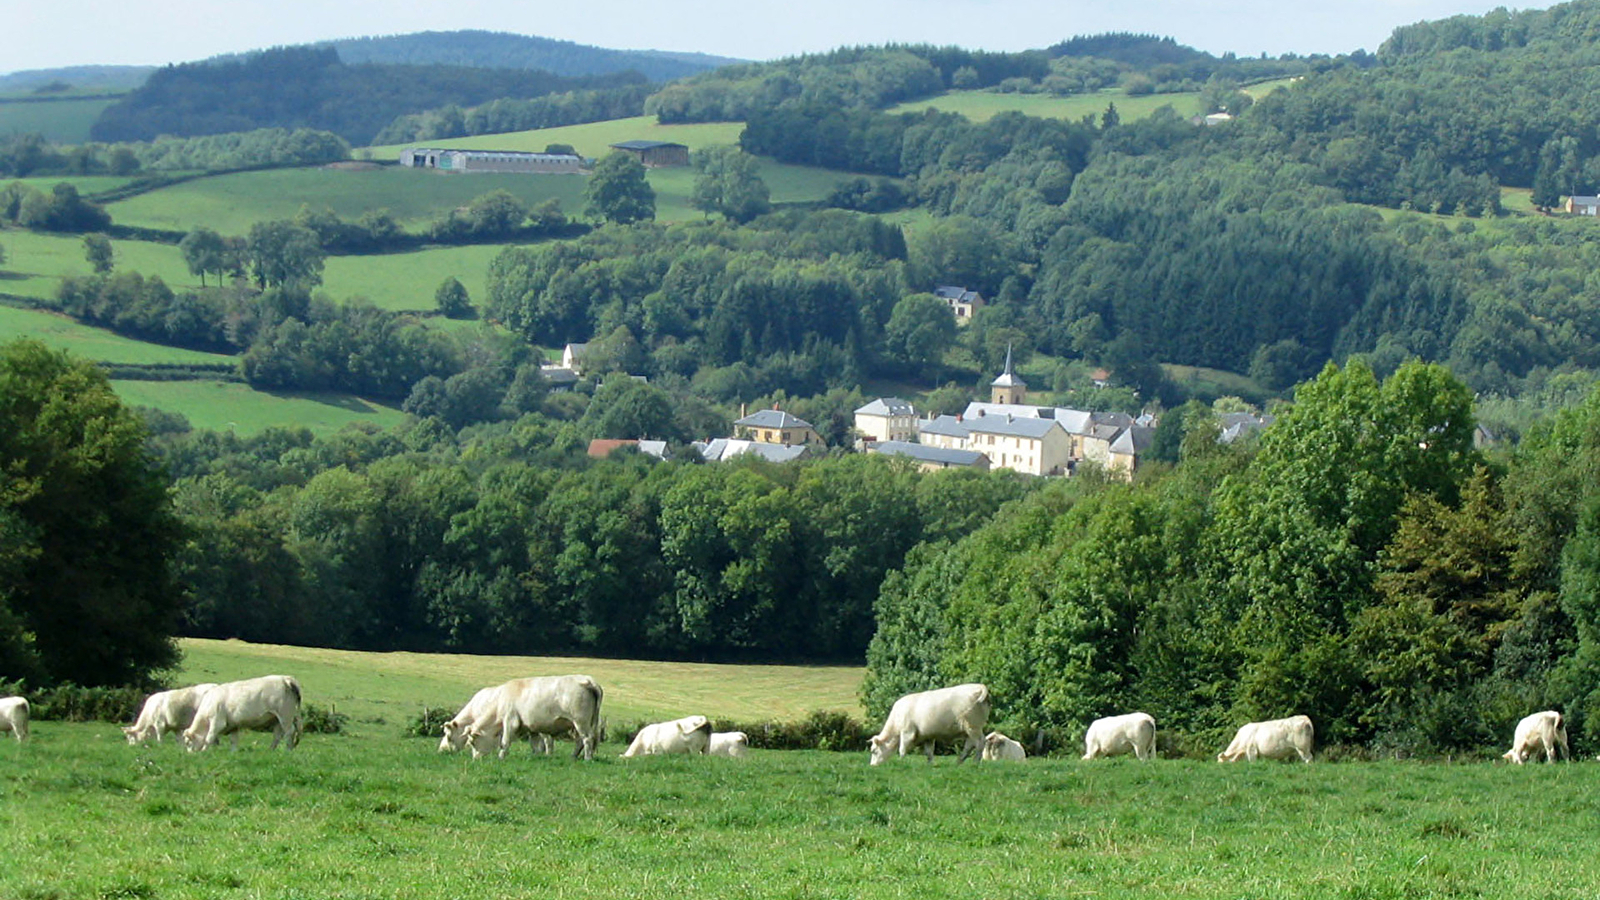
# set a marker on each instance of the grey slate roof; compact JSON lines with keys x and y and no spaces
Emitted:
{"x":1134,"y":441}
{"x":772,"y":418}
{"x":1013,"y":426}
{"x":948,"y":426}
{"x":924,"y":453}
{"x":887,"y":406}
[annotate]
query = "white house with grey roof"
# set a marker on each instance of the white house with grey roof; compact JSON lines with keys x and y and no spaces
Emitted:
{"x":887,"y":419}
{"x":1032,"y":446}
{"x":775,"y":426}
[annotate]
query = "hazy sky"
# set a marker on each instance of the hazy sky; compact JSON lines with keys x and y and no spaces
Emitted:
{"x":51,"y":33}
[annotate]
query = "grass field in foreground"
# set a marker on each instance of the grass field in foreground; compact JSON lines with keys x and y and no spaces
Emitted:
{"x":230,"y":406}
{"x":359,"y":817}
{"x":395,"y":686}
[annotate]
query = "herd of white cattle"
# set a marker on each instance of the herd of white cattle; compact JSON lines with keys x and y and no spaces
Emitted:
{"x":542,"y":709}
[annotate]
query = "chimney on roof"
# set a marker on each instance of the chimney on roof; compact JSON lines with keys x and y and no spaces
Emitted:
{"x":742,"y":410}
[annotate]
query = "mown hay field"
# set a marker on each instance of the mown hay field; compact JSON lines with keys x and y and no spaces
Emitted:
{"x":981,"y":106}
{"x":374,"y":814}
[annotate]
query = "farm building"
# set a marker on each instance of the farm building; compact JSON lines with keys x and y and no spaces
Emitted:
{"x":512,"y":161}
{"x":655,"y":153}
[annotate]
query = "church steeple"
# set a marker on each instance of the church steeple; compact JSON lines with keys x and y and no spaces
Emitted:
{"x":1008,"y":388}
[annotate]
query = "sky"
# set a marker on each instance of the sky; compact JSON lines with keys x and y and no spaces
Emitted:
{"x":54,"y":33}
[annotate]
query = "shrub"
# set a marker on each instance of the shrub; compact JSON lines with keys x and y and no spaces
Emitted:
{"x":71,"y":703}
{"x":429,"y":723}
{"x":316,"y":720}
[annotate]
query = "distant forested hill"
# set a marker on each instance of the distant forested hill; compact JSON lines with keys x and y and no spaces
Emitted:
{"x":81,"y":79}
{"x":501,"y":50}
{"x":306,"y":87}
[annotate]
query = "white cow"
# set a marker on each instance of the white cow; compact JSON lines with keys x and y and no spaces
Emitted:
{"x":1277,"y":739}
{"x":552,"y":704}
{"x":166,"y":712}
{"x":997,"y":746}
{"x":14,"y":717}
{"x":481,"y":705}
{"x":1540,"y":732}
{"x":729,"y":743}
{"x":690,"y":734}
{"x":271,"y":702}
{"x":1115,"y":735}
{"x":920,"y":720}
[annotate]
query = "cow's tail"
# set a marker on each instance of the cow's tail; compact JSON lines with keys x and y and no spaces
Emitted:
{"x":597,"y":695}
{"x":294,"y":687}
{"x":298,"y":725}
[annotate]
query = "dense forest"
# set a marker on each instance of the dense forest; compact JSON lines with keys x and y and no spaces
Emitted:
{"x":500,"y":50}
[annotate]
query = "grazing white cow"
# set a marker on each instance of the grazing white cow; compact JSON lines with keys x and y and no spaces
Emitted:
{"x":553,"y":704}
{"x":920,"y":720}
{"x":690,"y":734}
{"x":1115,"y":735}
{"x":14,"y":717}
{"x":729,"y":743}
{"x":269,"y":703}
{"x":1540,"y":732}
{"x":166,"y":712}
{"x":997,"y":746}
{"x":1277,"y":739}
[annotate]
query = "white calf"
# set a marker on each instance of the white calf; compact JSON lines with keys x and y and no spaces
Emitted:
{"x":729,"y":743}
{"x":166,"y":712}
{"x":997,"y":746}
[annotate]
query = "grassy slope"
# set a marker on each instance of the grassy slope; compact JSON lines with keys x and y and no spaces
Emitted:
{"x":386,"y":817}
{"x":591,"y":140}
{"x":394,"y":686}
{"x":93,"y":343}
{"x":980,"y":106}
{"x":226,"y":406}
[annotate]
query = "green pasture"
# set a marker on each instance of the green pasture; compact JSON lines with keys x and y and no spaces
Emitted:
{"x":1262,"y":88}
{"x":83,"y":815}
{"x":231,"y":203}
{"x":592,"y":140}
{"x":407,"y":281}
{"x":980,"y":106}
{"x":61,"y":121}
{"x":235,"y":407}
{"x":393,"y":687}
{"x":94,"y":344}
{"x":36,"y":263}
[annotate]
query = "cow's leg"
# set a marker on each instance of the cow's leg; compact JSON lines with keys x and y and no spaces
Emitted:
{"x":235,"y":745}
